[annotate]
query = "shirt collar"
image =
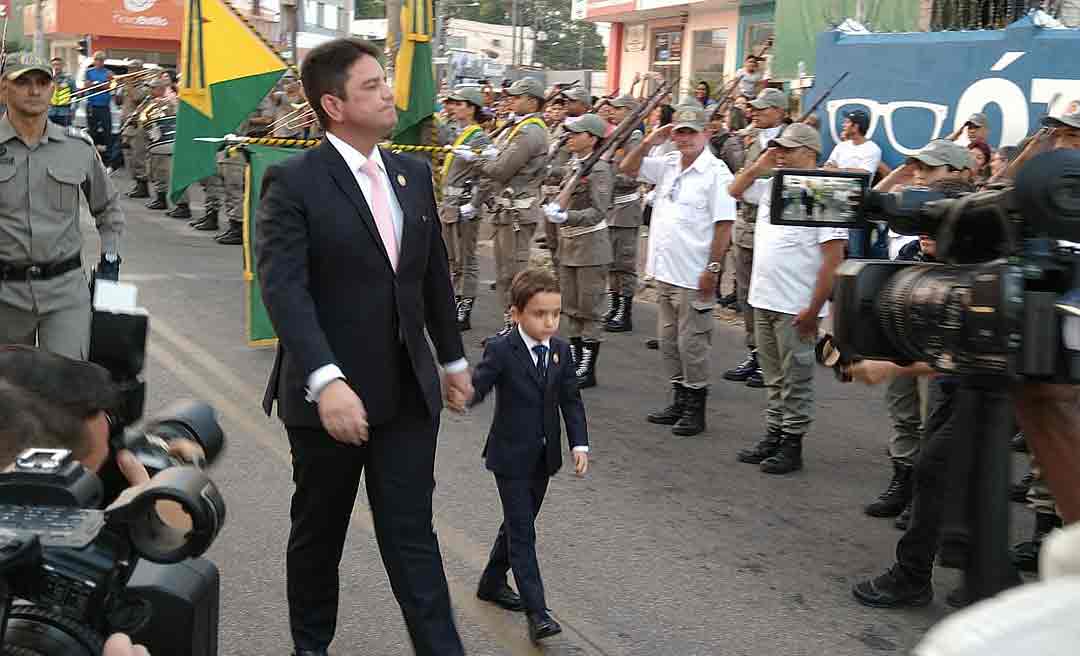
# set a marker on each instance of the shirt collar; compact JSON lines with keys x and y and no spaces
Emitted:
{"x":53,"y":132}
{"x":354,"y":159}
{"x":701,"y":164}
{"x":531,"y":343}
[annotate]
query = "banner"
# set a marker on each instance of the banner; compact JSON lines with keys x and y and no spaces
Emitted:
{"x":260,"y":332}
{"x":922,"y":86}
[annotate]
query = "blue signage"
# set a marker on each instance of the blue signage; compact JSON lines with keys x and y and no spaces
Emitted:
{"x":922,"y":86}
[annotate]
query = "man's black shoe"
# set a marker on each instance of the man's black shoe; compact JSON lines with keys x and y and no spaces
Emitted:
{"x":652,"y":344}
{"x":159,"y":202}
{"x":141,"y":189}
{"x":787,"y":459}
{"x":893,"y":589}
{"x":234,"y":236}
{"x":503,"y":597}
{"x":726,"y":301}
{"x":181,"y":211}
{"x":1019,"y":443}
{"x":766,"y":448}
{"x":542,"y":625}
{"x":756,"y":379}
{"x":895,"y":498}
{"x":670,"y":415}
{"x":311,"y":652}
{"x":1018,"y":491}
{"x":692,"y":421}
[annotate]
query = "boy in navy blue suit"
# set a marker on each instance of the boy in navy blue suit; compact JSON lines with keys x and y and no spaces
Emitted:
{"x":534,"y":378}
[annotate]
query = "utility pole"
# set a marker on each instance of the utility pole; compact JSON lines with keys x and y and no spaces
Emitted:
{"x":513,"y":23}
{"x":393,"y":34}
{"x":39,"y":29}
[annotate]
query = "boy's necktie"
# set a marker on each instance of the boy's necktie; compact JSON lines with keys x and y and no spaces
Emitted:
{"x":541,"y":360}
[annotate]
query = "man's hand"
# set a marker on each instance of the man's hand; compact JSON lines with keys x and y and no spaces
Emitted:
{"x":707,"y":283}
{"x":581,"y":462}
{"x":659,"y":135}
{"x":119,"y":644}
{"x":131,"y":468}
{"x":767,"y":161}
{"x":342,"y":414}
{"x":464,"y":154}
{"x":459,"y":390}
{"x":806,"y":324}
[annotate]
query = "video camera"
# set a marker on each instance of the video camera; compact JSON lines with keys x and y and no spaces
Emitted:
{"x":72,"y":573}
{"x":1004,"y":301}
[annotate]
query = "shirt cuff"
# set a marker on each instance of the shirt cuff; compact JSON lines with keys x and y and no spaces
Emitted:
{"x":456,"y":367}
{"x":582,"y":449}
{"x":319,"y":379}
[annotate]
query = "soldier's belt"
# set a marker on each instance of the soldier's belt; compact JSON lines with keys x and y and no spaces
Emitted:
{"x":574,"y":231}
{"x":44,"y":271}
{"x":515,"y":203}
{"x":627,"y":198}
{"x":454,"y":191}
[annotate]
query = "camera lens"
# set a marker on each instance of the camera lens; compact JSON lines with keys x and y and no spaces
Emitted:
{"x":920,"y":306}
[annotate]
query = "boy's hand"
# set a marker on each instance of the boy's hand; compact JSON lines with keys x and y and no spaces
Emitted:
{"x":581,"y":462}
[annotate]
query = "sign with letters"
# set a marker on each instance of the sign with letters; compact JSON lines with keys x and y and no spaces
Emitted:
{"x":921,"y":86}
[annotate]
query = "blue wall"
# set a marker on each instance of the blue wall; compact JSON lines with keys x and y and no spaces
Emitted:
{"x":930,"y":82}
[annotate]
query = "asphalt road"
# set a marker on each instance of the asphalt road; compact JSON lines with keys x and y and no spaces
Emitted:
{"x":669,"y":547}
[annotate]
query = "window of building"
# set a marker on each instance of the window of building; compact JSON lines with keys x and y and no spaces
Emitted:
{"x":756,"y":35}
{"x":667,"y":54}
{"x":311,"y":12}
{"x":365,"y":9}
{"x":709,"y":49}
{"x":329,"y":18}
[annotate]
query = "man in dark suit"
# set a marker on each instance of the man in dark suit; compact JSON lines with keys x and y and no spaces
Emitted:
{"x":535,"y":379}
{"x":353,"y":270}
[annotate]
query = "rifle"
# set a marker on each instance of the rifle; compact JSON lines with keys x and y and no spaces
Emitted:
{"x":614,"y":142}
{"x":728,"y":95}
{"x":824,"y":96}
{"x":551,"y":96}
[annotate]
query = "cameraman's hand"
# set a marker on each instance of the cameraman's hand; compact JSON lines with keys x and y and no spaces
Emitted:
{"x":119,"y":644}
{"x":131,"y":468}
{"x":343,"y":414}
{"x":189,"y":451}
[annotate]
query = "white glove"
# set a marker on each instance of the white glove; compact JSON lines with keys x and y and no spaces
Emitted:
{"x":554,"y":213}
{"x":491,"y":153}
{"x":467,"y":212}
{"x":465,"y":154}
{"x":650,"y":197}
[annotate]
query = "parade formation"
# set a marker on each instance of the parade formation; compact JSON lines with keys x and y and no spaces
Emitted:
{"x":366,"y":225}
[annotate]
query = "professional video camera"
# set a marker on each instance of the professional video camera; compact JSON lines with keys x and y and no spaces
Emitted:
{"x":1004,"y":301}
{"x":72,"y":573}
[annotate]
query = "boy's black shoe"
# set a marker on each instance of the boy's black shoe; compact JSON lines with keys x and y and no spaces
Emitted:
{"x":893,"y":589}
{"x":502,"y":596}
{"x":586,"y":369}
{"x":542,"y":625}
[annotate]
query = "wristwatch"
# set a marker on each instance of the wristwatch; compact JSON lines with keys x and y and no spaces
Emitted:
{"x":714,"y":267}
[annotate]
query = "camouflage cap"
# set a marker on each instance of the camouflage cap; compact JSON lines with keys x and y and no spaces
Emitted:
{"x":24,"y":62}
{"x":578,"y":93}
{"x":626,"y":101}
{"x":527,"y":86}
{"x":978,"y":119}
{"x":798,"y":135}
{"x":469,"y":95}
{"x":770,"y":98}
{"x":1065,"y":120}
{"x":942,"y":152}
{"x":689,"y":117}
{"x":590,"y":123}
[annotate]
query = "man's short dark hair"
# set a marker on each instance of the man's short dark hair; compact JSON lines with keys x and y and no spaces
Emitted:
{"x":83,"y":388}
{"x":326,"y":69}
{"x":860,"y":119}
{"x":27,"y":420}
{"x":529,"y":283}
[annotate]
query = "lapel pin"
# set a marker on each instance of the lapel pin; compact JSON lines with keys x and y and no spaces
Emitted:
{"x":401,"y":180}
{"x":555,"y":358}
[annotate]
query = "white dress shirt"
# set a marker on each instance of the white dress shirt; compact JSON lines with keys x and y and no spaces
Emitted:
{"x":849,"y":155}
{"x":687,"y":205}
{"x":530,"y":344}
{"x":355,"y":160}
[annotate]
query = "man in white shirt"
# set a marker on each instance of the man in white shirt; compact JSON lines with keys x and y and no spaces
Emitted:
{"x":789,"y":290}
{"x":857,"y":154}
{"x":688,"y":239}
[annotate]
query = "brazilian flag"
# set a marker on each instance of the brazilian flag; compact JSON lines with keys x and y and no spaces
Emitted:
{"x":414,"y":73}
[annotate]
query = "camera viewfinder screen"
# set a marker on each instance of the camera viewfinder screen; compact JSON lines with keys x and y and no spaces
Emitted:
{"x":818,"y":198}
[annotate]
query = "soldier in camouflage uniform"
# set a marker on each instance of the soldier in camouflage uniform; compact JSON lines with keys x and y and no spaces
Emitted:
{"x":160,"y":161}
{"x":584,"y":246}
{"x":623,"y":226}
{"x":461,"y":196}
{"x":132,"y":137}
{"x":44,"y":298}
{"x":514,"y":176}
{"x":231,"y":169}
{"x":578,"y":103}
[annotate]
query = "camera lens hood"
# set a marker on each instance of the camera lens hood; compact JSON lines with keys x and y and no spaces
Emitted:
{"x":193,"y":420}
{"x":174,"y":516}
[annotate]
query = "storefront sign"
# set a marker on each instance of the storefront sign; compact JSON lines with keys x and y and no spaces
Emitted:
{"x":596,"y":8}
{"x":634,"y":41}
{"x":135,"y":19}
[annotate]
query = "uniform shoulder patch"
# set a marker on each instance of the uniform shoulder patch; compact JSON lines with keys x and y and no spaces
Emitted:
{"x":80,"y":134}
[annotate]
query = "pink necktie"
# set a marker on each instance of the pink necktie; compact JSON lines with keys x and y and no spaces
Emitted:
{"x":380,"y":207}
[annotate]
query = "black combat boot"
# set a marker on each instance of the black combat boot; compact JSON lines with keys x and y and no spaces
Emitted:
{"x":1025,"y":556}
{"x":1018,"y":491}
{"x":464,"y":313}
{"x":742,"y":371}
{"x":208,"y":222}
{"x":788,"y":457}
{"x":622,"y":320}
{"x":670,"y":415}
{"x":181,"y":211}
{"x":141,"y":189}
{"x":586,"y":369}
{"x":609,"y":311}
{"x":766,"y":448}
{"x":901,"y":522}
{"x":892,"y":501}
{"x":233,"y":236}
{"x":508,"y":327}
{"x":159,"y":202}
{"x":692,"y":421}
{"x":893,"y":589}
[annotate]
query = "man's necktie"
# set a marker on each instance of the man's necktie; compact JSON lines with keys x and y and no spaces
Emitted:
{"x":541,"y":360}
{"x":380,"y":208}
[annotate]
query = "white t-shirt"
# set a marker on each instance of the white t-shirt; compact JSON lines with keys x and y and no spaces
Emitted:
{"x":686,"y":205}
{"x":786,"y":258}
{"x":847,"y":155}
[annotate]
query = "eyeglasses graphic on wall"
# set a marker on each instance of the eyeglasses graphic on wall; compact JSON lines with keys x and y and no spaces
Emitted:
{"x":883,"y":112}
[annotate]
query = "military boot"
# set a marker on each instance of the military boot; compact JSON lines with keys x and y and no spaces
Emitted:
{"x":787,"y":459}
{"x":464,"y":313}
{"x":586,"y":369}
{"x":765,"y":448}
{"x":181,"y":211}
{"x":896,"y":496}
{"x":508,"y":327}
{"x":141,"y":189}
{"x":609,"y":311}
{"x":692,"y":421}
{"x":1025,"y":556}
{"x":670,"y":415}
{"x":894,"y":589}
{"x":575,"y":351}
{"x":159,"y":202}
{"x":208,"y":222}
{"x":621,"y":321}
{"x":233,"y":236}
{"x":742,"y":371}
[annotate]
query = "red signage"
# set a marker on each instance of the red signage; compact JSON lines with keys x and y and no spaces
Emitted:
{"x":597,"y":8}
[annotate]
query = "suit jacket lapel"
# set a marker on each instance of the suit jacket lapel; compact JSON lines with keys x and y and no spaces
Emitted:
{"x":346,"y":181}
{"x":402,"y":192}
{"x":525,"y":357}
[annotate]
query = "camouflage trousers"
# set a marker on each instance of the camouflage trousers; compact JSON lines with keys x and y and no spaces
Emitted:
{"x":624,"y":247}
{"x":460,"y":238}
{"x":583,"y":299}
{"x":512,"y":248}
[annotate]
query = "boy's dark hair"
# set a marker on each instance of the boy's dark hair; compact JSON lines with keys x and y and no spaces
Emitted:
{"x":326,"y":69}
{"x":28,"y":420}
{"x":529,"y":283}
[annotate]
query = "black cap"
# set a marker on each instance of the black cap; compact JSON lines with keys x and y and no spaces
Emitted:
{"x":860,"y":118}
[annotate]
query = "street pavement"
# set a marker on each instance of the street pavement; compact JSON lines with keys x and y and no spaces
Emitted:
{"x":668,"y":547}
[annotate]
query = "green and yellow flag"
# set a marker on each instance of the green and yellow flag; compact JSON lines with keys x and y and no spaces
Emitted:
{"x":414,"y":74}
{"x":226,"y":69}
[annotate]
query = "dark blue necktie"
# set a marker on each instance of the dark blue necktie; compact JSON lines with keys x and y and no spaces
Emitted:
{"x":541,"y":360}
